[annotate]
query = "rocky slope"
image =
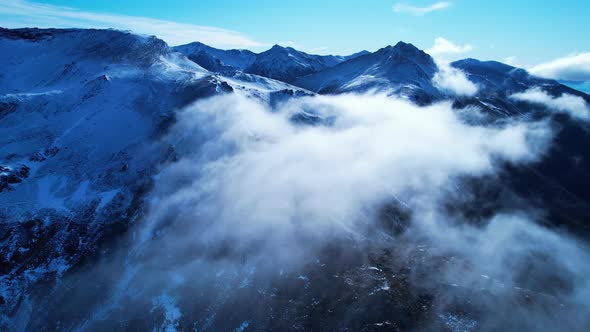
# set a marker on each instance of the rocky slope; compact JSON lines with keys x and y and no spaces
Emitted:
{"x":81,"y":113}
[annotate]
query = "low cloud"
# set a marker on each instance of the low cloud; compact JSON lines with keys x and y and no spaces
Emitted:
{"x":258,"y":173}
{"x":575,"y":106}
{"x":449,"y":79}
{"x":254,"y":194}
{"x":419,"y":11}
{"x":574,"y":67}
{"x":454,"y":81}
{"x":443,"y":47}
{"x":18,"y":14}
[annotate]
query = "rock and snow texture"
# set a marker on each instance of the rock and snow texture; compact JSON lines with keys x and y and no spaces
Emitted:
{"x":215,"y":59}
{"x":281,"y":63}
{"x":287,"y":64}
{"x":401,"y":69}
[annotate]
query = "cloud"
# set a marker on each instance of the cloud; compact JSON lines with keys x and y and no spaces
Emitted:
{"x":16,"y":13}
{"x":454,"y":81}
{"x":251,"y":171}
{"x":512,"y":60}
{"x":254,"y":198}
{"x":419,"y":11}
{"x":575,"y":106}
{"x":574,"y":67}
{"x":449,"y":79}
{"x":443,"y":47}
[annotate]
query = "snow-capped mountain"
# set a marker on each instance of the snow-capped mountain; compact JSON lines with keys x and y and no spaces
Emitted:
{"x":499,"y":78}
{"x":400,"y":69}
{"x":287,"y":64}
{"x":217,"y":60}
{"x":281,"y":63}
{"x":81,"y":112}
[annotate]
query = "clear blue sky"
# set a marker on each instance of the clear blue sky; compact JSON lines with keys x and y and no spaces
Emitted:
{"x":531,"y":31}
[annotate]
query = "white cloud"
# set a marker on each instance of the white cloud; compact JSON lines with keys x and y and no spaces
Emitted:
{"x":454,"y":81}
{"x":512,"y":60}
{"x":443,"y":47}
{"x":419,"y":11}
{"x":17,"y":13}
{"x":573,"y":105}
{"x":253,"y":195}
{"x":449,"y":79}
{"x":574,"y":67}
{"x":251,"y":172}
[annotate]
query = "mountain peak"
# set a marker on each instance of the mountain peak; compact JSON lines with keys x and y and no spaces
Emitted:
{"x":401,"y":48}
{"x":403,"y":45}
{"x":277,"y":47}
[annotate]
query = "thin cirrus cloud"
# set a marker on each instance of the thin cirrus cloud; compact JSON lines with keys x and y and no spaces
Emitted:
{"x":419,"y":11}
{"x":17,"y":13}
{"x":575,"y":67}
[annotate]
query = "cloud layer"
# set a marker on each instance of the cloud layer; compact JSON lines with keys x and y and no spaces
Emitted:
{"x":30,"y":14}
{"x":255,"y":193}
{"x":419,"y":11}
{"x":258,"y":173}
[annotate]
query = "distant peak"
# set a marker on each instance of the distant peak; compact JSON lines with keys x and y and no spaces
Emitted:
{"x":277,"y":47}
{"x":403,"y":47}
{"x":405,"y":50}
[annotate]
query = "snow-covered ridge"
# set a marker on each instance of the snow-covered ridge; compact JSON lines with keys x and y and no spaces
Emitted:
{"x":81,"y":113}
{"x":215,"y":59}
{"x":401,"y":69}
{"x":281,"y":63}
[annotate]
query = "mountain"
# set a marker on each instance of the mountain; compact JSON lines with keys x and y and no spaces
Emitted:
{"x":497,"y":77}
{"x":497,"y":81}
{"x":217,"y":60}
{"x":287,"y":64}
{"x":400,"y":69}
{"x":81,"y":116}
{"x":282,"y":63}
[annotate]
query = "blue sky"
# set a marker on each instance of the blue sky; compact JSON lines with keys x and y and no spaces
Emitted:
{"x":524,"y":33}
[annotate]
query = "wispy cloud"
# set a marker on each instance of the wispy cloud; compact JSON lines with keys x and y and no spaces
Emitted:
{"x":443,"y":47}
{"x":454,"y":81}
{"x":17,"y":13}
{"x":419,"y":11}
{"x":512,"y":60}
{"x":575,"y":106}
{"x":448,"y":79}
{"x":574,"y":67}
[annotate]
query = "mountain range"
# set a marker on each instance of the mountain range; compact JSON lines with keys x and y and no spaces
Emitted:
{"x":82,"y":117}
